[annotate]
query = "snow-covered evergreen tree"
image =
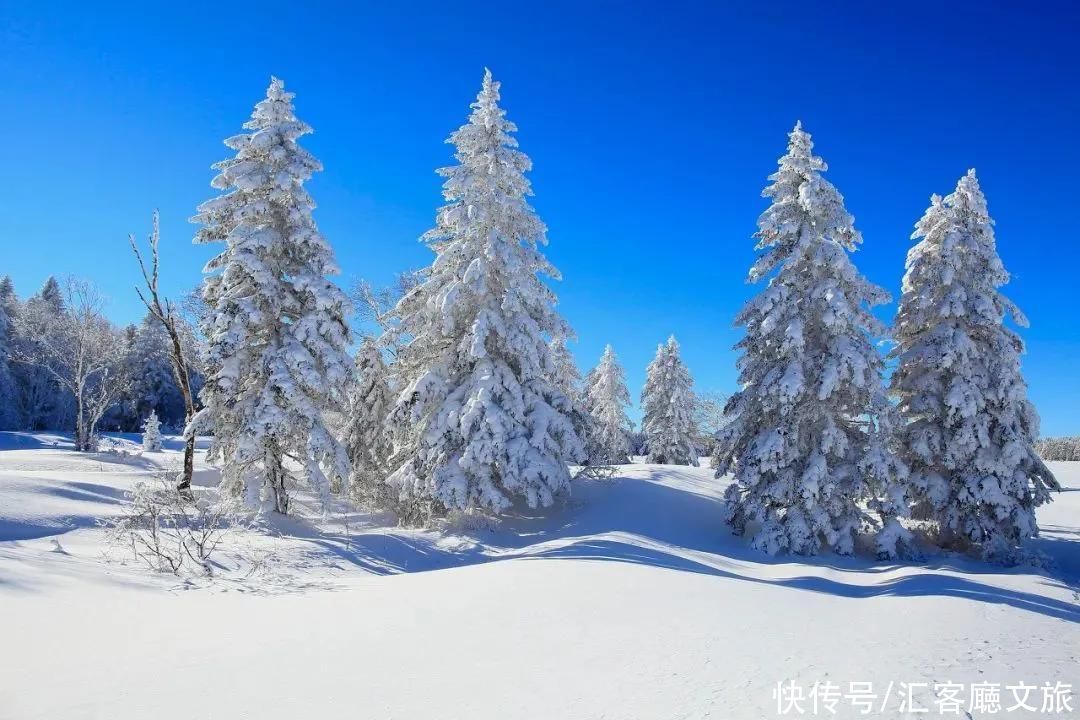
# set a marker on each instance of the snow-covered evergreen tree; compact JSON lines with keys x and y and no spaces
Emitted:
{"x":52,"y":295}
{"x":366,"y":438}
{"x":565,"y":374}
{"x":153,"y":386}
{"x":7,"y":293}
{"x":970,"y":429}
{"x":566,"y":377}
{"x":9,"y":416}
{"x":606,"y":400}
{"x":802,"y":442}
{"x":151,"y":433}
{"x":478,"y":422}
{"x":275,"y":324}
{"x":42,"y":404}
{"x":667,"y":404}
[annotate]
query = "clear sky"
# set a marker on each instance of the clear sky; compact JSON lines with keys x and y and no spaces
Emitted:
{"x":652,"y":127}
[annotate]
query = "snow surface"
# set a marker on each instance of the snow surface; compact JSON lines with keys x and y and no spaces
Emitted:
{"x":632,"y":601}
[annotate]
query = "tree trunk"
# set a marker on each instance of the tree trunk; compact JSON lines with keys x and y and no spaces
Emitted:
{"x":275,"y":480}
{"x":80,"y":426}
{"x":164,"y":314}
{"x":189,"y":465}
{"x":183,"y":377}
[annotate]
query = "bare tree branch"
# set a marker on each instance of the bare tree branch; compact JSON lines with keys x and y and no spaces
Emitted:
{"x":162,"y":310}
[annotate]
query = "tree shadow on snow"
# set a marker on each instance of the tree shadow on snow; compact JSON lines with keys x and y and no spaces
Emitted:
{"x":32,"y":528}
{"x":647,"y":521}
{"x":83,"y":491}
{"x":35,"y":440}
{"x":20,"y":440}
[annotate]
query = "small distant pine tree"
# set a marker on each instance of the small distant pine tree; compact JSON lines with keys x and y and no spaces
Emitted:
{"x":667,"y":404}
{"x":9,"y":416}
{"x":7,"y":293}
{"x":151,"y":433}
{"x":566,"y":377}
{"x":41,"y":403}
{"x":52,"y":295}
{"x":969,"y":432}
{"x":606,"y":400}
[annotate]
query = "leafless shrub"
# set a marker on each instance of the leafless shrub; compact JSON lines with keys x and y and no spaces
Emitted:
{"x":168,"y":528}
{"x":596,"y":472}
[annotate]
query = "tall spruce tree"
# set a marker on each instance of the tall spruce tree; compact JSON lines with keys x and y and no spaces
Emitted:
{"x":606,"y":399}
{"x":802,"y":441}
{"x":275,"y":324}
{"x":667,"y":404}
{"x":970,"y":429}
{"x":478,"y":422}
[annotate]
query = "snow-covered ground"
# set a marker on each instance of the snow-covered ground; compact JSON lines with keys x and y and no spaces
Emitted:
{"x":631,"y":602}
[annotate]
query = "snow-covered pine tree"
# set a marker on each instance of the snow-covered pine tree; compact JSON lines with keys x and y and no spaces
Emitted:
{"x":52,"y":295}
{"x":478,"y":422}
{"x":42,"y":405}
{"x":153,"y":385}
{"x":565,"y":374}
{"x":606,"y":400}
{"x":151,"y":433}
{"x":667,"y":404}
{"x":970,"y":429}
{"x":7,"y":293}
{"x":566,"y":377}
{"x":275,"y":324}
{"x":800,"y":438}
{"x":366,"y":438}
{"x":9,"y":417}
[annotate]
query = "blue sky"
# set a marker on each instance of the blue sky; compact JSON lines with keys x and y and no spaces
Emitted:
{"x":652,"y":127}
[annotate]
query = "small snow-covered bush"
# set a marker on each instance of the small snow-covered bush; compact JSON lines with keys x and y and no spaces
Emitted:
{"x":171,"y":529}
{"x":469,"y":521}
{"x":151,"y":433}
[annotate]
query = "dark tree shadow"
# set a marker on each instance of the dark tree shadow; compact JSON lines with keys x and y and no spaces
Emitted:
{"x":26,"y":440}
{"x":651,"y":522}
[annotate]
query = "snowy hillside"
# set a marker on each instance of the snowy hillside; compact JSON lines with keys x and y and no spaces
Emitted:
{"x":633,"y":601}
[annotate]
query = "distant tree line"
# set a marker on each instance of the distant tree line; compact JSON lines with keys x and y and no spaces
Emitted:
{"x":1059,"y":448}
{"x":64,"y":365}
